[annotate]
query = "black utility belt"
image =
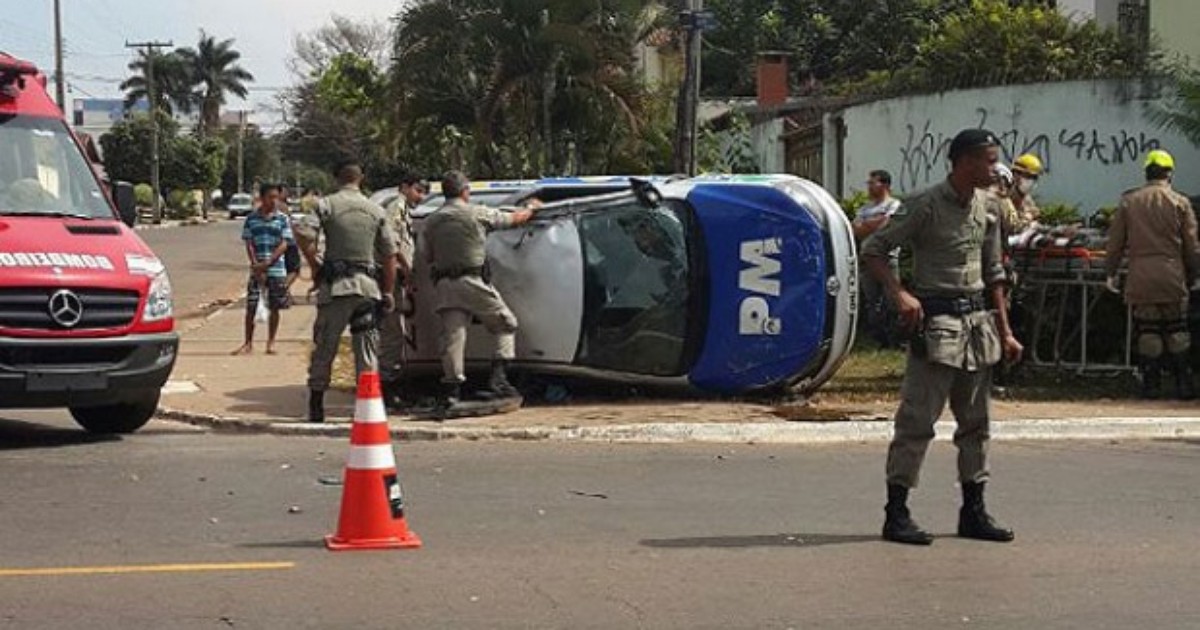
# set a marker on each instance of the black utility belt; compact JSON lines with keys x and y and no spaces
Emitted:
{"x":343,"y":269}
{"x":958,"y":305}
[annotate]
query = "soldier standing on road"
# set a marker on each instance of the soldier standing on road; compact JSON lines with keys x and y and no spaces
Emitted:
{"x":956,"y":340}
{"x":454,"y":241}
{"x":357,"y":273}
{"x":1155,"y":228}
{"x":393,"y":329}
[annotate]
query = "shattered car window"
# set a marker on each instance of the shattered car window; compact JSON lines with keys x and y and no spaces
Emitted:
{"x":636,"y":286}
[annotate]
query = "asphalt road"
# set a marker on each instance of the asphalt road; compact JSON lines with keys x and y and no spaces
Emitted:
{"x":554,"y":536}
{"x":206,"y":262}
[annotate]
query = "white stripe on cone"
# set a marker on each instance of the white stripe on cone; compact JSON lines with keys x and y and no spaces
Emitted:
{"x":379,"y":457}
{"x":370,"y":411}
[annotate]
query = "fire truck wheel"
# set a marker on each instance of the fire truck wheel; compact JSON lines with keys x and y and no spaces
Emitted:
{"x":116,"y":418}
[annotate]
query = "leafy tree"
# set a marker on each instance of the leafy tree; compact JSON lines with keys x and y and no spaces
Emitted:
{"x":521,"y":72}
{"x":127,"y":146}
{"x":315,"y":51}
{"x":260,"y":159}
{"x":1180,"y":110}
{"x":215,"y":72}
{"x":172,"y":82}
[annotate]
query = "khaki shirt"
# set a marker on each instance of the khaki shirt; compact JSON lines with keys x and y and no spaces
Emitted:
{"x":356,"y":230}
{"x":1155,"y":228}
{"x":457,"y":233}
{"x":956,"y":250}
{"x":400,"y":219}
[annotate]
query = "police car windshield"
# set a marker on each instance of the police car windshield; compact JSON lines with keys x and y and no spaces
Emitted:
{"x":638,"y":306}
{"x":43,"y":172}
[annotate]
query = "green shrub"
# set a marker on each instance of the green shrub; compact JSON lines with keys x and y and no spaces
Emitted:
{"x":855,"y":202}
{"x":182,"y":204}
{"x":1103,"y":217}
{"x":143,"y":195}
{"x":1060,"y":214}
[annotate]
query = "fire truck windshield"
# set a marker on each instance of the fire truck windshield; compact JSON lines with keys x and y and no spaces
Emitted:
{"x":43,"y":172}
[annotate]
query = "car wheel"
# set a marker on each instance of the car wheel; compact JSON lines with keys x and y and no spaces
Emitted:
{"x":124,"y":417}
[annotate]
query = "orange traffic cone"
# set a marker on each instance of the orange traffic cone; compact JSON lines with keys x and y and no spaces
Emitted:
{"x":372,"y":515}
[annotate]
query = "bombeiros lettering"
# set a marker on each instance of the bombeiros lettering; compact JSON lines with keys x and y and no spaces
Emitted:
{"x":33,"y":260}
{"x":761,"y":280}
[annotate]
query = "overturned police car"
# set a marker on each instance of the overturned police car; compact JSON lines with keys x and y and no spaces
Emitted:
{"x":725,"y":284}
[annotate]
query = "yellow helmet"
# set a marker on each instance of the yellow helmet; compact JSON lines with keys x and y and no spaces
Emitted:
{"x":1161,"y":159}
{"x":1028,"y":164}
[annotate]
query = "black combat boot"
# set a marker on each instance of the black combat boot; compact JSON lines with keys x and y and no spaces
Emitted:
{"x":1185,"y":388}
{"x":973,"y":519}
{"x":498,"y":382}
{"x":393,"y":396}
{"x":449,"y":396}
{"x":1151,"y":378}
{"x":316,"y":406}
{"x":899,"y":526}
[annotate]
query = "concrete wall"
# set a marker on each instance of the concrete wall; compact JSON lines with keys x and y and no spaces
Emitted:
{"x":1092,"y":136}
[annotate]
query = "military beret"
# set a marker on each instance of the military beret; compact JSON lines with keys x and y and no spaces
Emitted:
{"x":969,"y":139}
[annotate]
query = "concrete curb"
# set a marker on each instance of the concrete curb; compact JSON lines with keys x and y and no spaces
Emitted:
{"x":718,"y":433}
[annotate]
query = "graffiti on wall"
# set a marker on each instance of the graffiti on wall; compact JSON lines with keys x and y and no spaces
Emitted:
{"x":924,"y":154}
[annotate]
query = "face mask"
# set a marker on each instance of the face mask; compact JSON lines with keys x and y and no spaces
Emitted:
{"x":1026,"y":186}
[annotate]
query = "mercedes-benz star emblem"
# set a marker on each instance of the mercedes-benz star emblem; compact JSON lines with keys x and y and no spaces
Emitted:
{"x":66,"y":309}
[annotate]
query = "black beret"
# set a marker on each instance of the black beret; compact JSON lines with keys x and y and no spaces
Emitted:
{"x":969,"y":139}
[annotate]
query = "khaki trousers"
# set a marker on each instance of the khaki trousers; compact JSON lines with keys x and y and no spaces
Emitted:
{"x":392,"y":339}
{"x":927,"y":387}
{"x":460,"y":300}
{"x":332,"y":319}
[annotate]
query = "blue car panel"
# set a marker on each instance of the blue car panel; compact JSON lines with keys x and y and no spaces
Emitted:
{"x":767,"y":287}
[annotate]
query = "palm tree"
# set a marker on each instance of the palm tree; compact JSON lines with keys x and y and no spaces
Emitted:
{"x":1180,"y":110}
{"x":172,"y":82}
{"x":216,"y":74}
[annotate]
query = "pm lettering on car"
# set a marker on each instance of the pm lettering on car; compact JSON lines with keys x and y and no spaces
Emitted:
{"x":760,"y":279}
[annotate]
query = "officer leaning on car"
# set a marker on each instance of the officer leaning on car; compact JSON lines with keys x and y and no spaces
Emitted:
{"x":455,"y":235}
{"x":355,"y":279}
{"x":955,"y":241}
{"x":1154,"y":228}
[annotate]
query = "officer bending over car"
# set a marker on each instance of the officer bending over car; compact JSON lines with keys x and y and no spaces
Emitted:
{"x":454,"y":239}
{"x":355,"y":280}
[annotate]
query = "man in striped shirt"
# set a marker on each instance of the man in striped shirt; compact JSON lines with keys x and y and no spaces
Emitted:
{"x":267,"y":234}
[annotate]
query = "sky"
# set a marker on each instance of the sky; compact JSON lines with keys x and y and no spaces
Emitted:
{"x":95,"y":32}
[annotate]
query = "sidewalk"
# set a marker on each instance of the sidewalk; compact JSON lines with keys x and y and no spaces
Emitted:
{"x":267,"y":393}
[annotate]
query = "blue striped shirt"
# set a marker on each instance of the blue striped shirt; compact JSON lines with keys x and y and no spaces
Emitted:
{"x":265,"y":233}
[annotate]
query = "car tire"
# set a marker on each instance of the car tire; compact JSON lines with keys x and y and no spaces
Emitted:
{"x":117,"y":418}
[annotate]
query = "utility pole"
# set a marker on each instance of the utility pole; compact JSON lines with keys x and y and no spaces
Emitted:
{"x":59,"y":80}
{"x":694,"y":21}
{"x":240,"y":159}
{"x":151,"y":50}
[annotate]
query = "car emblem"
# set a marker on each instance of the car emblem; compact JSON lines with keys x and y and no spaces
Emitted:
{"x":66,"y":309}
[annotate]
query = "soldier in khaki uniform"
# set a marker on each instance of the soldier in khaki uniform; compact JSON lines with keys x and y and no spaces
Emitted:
{"x":358,"y":272}
{"x":455,"y":236}
{"x":393,"y":329}
{"x":1155,"y":228}
{"x":954,"y":237}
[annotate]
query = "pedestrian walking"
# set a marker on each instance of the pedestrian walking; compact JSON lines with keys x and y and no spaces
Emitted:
{"x":355,"y":280}
{"x":454,"y":246}
{"x":870,"y":219}
{"x":393,"y":330}
{"x":956,"y":340}
{"x":267,"y":235}
{"x":1155,"y":229}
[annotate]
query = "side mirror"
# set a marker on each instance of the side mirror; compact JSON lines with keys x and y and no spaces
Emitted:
{"x":126,"y":202}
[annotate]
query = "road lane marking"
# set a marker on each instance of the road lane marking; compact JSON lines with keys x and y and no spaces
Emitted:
{"x":149,"y":568}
